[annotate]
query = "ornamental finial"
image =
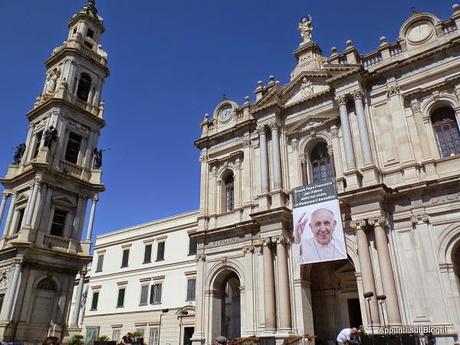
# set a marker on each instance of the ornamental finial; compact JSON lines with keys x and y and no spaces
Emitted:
{"x":90,"y":8}
{"x":305,"y":28}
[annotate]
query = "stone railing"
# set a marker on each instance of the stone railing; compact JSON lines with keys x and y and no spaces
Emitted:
{"x":92,"y":54}
{"x":387,"y":52}
{"x":371,"y":59}
{"x":448,"y":27}
{"x":51,"y":241}
{"x":395,"y":49}
{"x":70,"y":168}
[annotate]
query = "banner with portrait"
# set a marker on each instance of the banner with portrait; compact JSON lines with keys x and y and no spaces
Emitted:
{"x":317,"y":224}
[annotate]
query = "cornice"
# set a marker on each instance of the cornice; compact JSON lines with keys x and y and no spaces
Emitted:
{"x":42,"y":108}
{"x":45,"y":168}
{"x":58,"y":56}
{"x":448,"y":82}
{"x":208,"y":140}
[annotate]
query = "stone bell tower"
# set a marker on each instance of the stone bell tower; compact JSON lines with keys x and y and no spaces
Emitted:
{"x":55,"y":175}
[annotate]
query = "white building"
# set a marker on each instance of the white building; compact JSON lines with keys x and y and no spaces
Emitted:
{"x":143,"y":279}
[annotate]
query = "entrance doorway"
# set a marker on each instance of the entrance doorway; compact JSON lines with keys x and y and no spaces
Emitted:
{"x":231,"y":307}
{"x":226,"y":305}
{"x":335,"y":299}
{"x":188,"y":333}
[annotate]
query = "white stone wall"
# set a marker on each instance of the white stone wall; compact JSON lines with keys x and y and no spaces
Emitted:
{"x":173,"y":272}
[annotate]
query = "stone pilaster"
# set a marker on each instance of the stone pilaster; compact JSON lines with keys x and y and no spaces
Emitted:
{"x":346,"y":132}
{"x":263,"y":160}
{"x":89,"y":230}
{"x":276,"y":157}
{"x":269,"y":287}
{"x":283,"y":288}
{"x":363,"y":128}
{"x":386,"y":270}
{"x":367,"y":273}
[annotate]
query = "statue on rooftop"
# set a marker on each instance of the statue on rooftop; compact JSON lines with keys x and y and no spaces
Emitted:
{"x":305,"y":28}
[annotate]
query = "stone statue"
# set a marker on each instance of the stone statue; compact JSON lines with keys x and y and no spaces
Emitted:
{"x":306,"y":87}
{"x":97,"y":164}
{"x":51,"y":81}
{"x":306,"y":27}
{"x":49,"y":136}
{"x":19,"y":153}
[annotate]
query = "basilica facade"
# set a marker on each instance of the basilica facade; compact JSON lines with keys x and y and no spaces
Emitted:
{"x":384,"y":126}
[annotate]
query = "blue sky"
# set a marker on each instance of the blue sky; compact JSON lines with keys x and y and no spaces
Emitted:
{"x":171,"y":61}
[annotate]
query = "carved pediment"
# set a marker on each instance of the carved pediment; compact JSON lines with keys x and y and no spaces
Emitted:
{"x":306,"y":86}
{"x":273,"y":97}
{"x":311,"y":123}
{"x":64,"y":200}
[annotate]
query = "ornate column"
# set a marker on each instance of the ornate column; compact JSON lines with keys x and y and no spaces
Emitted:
{"x":89,"y":230}
{"x":284,"y":298}
{"x":386,"y":270}
{"x":269,"y":287}
{"x":365,"y":262}
{"x":421,"y":133}
{"x":276,"y":156}
{"x":7,"y":312}
{"x":362,"y":126}
{"x":2,"y":205}
{"x":76,"y":309}
{"x":9,"y":215}
{"x":237,"y":184}
{"x":346,"y":132}
{"x":263,"y":160}
{"x":32,"y":202}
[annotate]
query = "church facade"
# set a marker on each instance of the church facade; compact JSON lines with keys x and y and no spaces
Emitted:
{"x":385,"y":127}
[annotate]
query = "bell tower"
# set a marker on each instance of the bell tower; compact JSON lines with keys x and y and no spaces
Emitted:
{"x":55,"y":175}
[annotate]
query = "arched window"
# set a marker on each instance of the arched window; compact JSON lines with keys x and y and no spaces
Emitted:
{"x":84,"y":86}
{"x":47,"y":284}
{"x":446,"y":129}
{"x":320,"y":163}
{"x":229,"y":192}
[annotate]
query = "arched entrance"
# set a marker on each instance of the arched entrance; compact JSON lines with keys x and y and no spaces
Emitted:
{"x":227,"y":305}
{"x":456,"y":262}
{"x":41,"y":315}
{"x":335,"y":298}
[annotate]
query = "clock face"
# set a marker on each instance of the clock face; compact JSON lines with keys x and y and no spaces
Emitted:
{"x":225,"y":114}
{"x":419,"y":32}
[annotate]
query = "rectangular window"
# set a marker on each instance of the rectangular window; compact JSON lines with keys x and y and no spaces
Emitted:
{"x":155,"y":294}
{"x":20,"y":217}
{"x":90,"y":33}
{"x":161,"y":251}
{"x":153,"y":336}
{"x":125,"y":259}
{"x":140,"y":331}
{"x":58,"y":224}
{"x":191,"y":286}
{"x":192,"y":247}
{"x":116,"y":335}
{"x":94,"y":301}
{"x":121,"y":298}
{"x":100,"y":262}
{"x":144,"y":295}
{"x":38,"y":139}
{"x":148,"y":253}
{"x":2,"y":298}
{"x":73,"y":148}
